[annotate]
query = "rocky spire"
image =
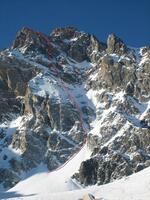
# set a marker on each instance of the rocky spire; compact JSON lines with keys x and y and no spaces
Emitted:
{"x":115,"y":45}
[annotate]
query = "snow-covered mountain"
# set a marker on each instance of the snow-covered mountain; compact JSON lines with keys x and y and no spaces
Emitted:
{"x":74,"y":112}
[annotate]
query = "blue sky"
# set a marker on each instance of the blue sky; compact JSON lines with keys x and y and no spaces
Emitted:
{"x":129,"y":19}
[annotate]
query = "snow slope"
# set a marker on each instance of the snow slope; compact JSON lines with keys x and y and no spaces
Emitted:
{"x":58,"y":186}
{"x":59,"y":180}
{"x":135,"y":187}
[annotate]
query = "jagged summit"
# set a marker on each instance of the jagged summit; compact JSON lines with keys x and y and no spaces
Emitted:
{"x":29,"y":40}
{"x":66,"y":93}
{"x":65,"y":32}
{"x":70,"y":39}
{"x":115,"y":45}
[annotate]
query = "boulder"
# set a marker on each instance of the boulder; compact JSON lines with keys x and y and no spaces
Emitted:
{"x":88,"y":197}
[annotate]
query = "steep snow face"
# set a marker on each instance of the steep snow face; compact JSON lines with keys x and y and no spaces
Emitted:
{"x":45,"y":85}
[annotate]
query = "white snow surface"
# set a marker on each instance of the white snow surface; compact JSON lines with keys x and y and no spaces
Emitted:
{"x":57,"y":181}
{"x":43,"y":85}
{"x":56,"y":186}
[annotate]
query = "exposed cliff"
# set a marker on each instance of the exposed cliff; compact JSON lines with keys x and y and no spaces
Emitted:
{"x":61,"y":90}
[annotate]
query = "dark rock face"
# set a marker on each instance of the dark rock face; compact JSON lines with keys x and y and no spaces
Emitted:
{"x":64,"y":33}
{"x":57,"y":115}
{"x":30,"y":40}
{"x":78,"y":51}
{"x":113,"y":74}
{"x":8,"y":178}
{"x":83,"y":48}
{"x":14,"y":77}
{"x":32,"y":146}
{"x":125,"y":155}
{"x":78,"y":45}
{"x":130,"y":88}
{"x":88,"y":172}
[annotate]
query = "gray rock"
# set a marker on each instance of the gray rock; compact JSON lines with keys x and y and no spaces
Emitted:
{"x":115,"y":45}
{"x":8,"y":178}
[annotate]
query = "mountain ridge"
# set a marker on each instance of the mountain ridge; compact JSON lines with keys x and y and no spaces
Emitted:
{"x":64,"y":88}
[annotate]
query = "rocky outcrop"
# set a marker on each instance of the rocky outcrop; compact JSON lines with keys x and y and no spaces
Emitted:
{"x":59,"y":116}
{"x":88,"y":172}
{"x":115,"y":45}
{"x":78,"y":51}
{"x":14,"y":77}
{"x":78,"y":45}
{"x":28,"y":41}
{"x":89,"y":197}
{"x":86,"y":47}
{"x":123,"y":156}
{"x":64,"y":33}
{"x":113,"y":74}
{"x":8,"y":178}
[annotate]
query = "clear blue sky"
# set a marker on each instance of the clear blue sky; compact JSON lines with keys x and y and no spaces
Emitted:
{"x":129,"y":19}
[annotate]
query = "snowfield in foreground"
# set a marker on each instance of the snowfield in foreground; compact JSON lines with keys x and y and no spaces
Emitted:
{"x":57,"y":185}
{"x":42,"y":181}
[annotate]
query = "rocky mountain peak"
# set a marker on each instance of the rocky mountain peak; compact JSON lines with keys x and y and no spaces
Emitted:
{"x":59,"y":91}
{"x":24,"y":36}
{"x":115,"y":45}
{"x":28,"y":40}
{"x":145,"y":51}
